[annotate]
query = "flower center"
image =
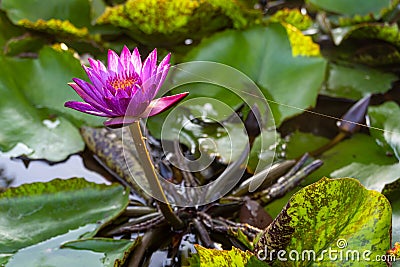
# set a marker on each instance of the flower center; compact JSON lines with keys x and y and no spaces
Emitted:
{"x":123,"y":81}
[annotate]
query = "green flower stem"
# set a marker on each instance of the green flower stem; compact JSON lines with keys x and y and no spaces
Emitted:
{"x":339,"y":137}
{"x":152,"y":177}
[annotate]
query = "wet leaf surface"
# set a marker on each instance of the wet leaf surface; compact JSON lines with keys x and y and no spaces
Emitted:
{"x":386,"y":118}
{"x":226,"y":258}
{"x":356,"y":7}
{"x":41,"y":216}
{"x":42,"y":85}
{"x":331,"y":213}
{"x":356,"y":82}
{"x":289,"y":75}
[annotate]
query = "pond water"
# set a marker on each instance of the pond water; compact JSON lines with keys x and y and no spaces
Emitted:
{"x":16,"y":172}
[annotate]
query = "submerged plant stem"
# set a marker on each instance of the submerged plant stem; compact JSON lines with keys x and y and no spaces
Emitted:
{"x":152,"y":177}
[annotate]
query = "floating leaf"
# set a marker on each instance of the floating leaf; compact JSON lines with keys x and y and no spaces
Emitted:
{"x":55,"y":26}
{"x":356,"y":82}
{"x":111,"y":252}
{"x":378,"y":31}
{"x":267,"y":58}
{"x":164,"y":23}
{"x":335,"y":214}
{"x":386,"y":117}
{"x":372,"y":176}
{"x":76,"y":11}
{"x":42,"y":85}
{"x":7,"y":30}
{"x":355,"y":7}
{"x":359,"y":148}
{"x":293,"y":17}
{"x":226,"y":258}
{"x":33,"y":213}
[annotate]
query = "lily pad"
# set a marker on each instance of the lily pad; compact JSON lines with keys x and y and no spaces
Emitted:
{"x":372,"y":176}
{"x":8,"y":30}
{"x":331,"y":215}
{"x":386,"y":117}
{"x":266,"y":56}
{"x":356,"y":82}
{"x":225,"y":258}
{"x":76,"y":11}
{"x":355,"y":7}
{"x":359,"y":148}
{"x":29,"y":84}
{"x":57,"y":211}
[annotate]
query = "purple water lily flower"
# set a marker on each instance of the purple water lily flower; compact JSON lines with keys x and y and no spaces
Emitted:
{"x":124,"y":91}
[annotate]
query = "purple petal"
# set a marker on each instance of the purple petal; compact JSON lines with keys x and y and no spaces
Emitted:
{"x":113,"y":62}
{"x":125,"y":59}
{"x":113,"y":104}
{"x":136,"y":61}
{"x":160,"y":79}
{"x":137,"y":105}
{"x":159,"y":105}
{"x":149,"y":66}
{"x":124,"y":102}
{"x":121,"y":94}
{"x":97,"y":65}
{"x":95,"y":78}
{"x":118,"y":122}
{"x":164,"y":62}
{"x":85,"y":107}
{"x":85,"y":90}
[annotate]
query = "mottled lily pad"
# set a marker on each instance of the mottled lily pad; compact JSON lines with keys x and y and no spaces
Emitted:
{"x":225,"y":258}
{"x":332,"y":214}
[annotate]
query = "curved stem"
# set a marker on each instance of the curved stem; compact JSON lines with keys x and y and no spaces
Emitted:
{"x":152,"y":177}
{"x":339,"y":137}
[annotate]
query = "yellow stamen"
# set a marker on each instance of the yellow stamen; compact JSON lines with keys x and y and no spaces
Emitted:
{"x":123,"y":83}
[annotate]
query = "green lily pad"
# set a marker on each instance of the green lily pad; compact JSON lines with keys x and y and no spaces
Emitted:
{"x":330,"y":215}
{"x":356,"y":82}
{"x":368,"y":31}
{"x":267,"y":57}
{"x":76,"y":11}
{"x":111,"y":252}
{"x":259,"y":156}
{"x":359,"y":148}
{"x":29,"y":84}
{"x":299,"y":143}
{"x":355,"y":7}
{"x":386,"y":117}
{"x":372,"y":176}
{"x":8,"y":30}
{"x":101,"y":252}
{"x":225,"y":258}
{"x":56,"y":212}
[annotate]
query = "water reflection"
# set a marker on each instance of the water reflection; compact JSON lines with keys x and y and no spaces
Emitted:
{"x":15,"y":171}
